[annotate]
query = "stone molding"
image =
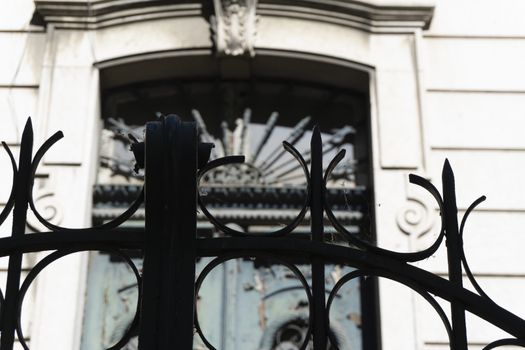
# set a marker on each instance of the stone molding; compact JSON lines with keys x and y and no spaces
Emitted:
{"x":49,"y":206}
{"x":96,"y":14}
{"x":415,"y":217}
{"x":392,"y":16}
{"x":371,"y":16}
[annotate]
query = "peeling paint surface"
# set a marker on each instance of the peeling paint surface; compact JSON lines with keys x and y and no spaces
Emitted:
{"x":243,"y":304}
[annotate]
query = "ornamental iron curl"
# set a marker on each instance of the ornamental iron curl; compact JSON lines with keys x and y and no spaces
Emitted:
{"x":173,"y":162}
{"x":297,"y":273}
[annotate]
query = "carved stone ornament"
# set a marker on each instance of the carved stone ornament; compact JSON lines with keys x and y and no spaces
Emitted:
{"x":415,"y":217}
{"x":49,"y":208}
{"x":234,"y":27}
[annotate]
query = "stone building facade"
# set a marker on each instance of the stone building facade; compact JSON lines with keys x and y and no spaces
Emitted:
{"x":439,"y":79}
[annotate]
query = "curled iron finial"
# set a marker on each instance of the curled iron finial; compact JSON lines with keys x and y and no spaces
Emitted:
{"x":11,"y":201}
{"x":106,"y":226}
{"x":466,"y":266}
{"x":353,"y":239}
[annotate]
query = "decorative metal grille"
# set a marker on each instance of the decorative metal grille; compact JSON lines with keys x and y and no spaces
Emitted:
{"x":174,"y":161}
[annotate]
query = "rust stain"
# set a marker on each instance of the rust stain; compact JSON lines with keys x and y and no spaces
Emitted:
{"x":262,"y":315}
{"x":261,"y":310}
{"x":355,"y":317}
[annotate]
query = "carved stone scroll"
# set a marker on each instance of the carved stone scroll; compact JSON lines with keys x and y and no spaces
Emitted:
{"x":49,"y":207}
{"x":415,"y":217}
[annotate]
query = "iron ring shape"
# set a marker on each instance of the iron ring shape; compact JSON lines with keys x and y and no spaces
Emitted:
{"x":106,"y":226}
{"x":35,"y":271}
{"x":11,"y":201}
{"x":239,"y":159}
{"x":370,"y":272}
{"x":221,"y":259}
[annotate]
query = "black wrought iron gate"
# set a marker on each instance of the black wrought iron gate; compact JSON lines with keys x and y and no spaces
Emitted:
{"x":174,"y":161}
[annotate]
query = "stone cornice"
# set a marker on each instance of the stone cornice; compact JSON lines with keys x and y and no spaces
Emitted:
{"x":94,"y":14}
{"x":377,"y":16}
{"x":371,"y":16}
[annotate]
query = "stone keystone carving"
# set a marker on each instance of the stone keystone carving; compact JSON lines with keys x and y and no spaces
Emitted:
{"x":234,"y":27}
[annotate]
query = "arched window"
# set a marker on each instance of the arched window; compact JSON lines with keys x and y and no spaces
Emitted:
{"x":250,"y":116}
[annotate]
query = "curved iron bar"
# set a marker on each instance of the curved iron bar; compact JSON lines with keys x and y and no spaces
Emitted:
{"x":219,"y":162}
{"x":89,"y":239}
{"x":288,"y":289}
{"x":42,"y":264}
{"x":363,"y":273}
{"x":358,"y":258}
{"x":1,"y":304}
{"x":503,"y":342}
{"x":11,"y":201}
{"x":221,"y":259}
{"x":353,"y":239}
{"x":280,"y":232}
{"x":106,"y":226}
{"x":466,"y":266}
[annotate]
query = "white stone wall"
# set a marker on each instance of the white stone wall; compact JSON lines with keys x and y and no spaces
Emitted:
{"x":38,"y":80}
{"x":20,"y":66}
{"x":474,"y":87}
{"x":456,"y":90}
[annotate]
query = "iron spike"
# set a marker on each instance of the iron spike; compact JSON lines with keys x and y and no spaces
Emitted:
{"x":28,"y":131}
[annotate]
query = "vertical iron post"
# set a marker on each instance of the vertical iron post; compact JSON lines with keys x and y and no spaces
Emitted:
{"x":454,"y":246}
{"x":318,"y":266}
{"x":153,"y":245}
{"x":168,"y":303}
{"x":23,"y":177}
{"x":183,"y":226}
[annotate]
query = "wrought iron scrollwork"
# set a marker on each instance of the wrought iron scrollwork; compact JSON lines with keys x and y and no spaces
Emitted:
{"x":371,"y":260}
{"x":11,"y":201}
{"x":42,"y":264}
{"x":288,"y":147}
{"x":297,"y":273}
{"x":119,"y":220}
{"x":67,"y":241}
{"x":353,"y":239}
{"x":170,"y":252}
